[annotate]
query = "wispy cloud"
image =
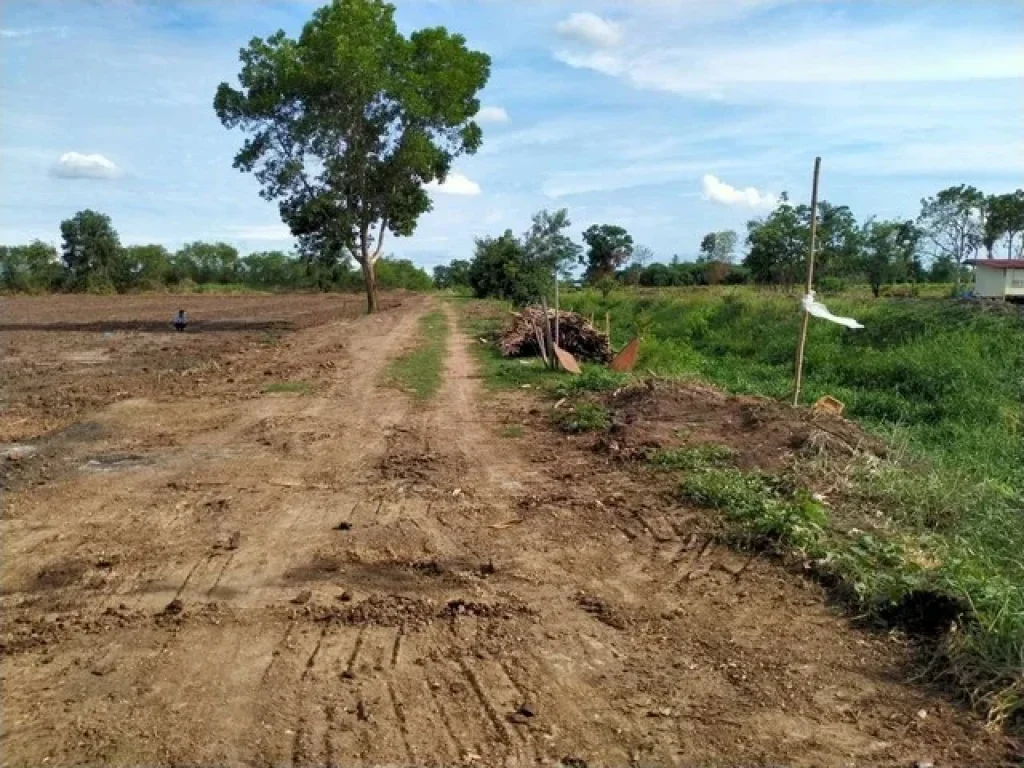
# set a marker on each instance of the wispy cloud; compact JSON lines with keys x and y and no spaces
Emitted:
{"x":492,"y":115}
{"x":718,"y":191}
{"x":896,"y":53}
{"x":73,"y":165}
{"x":590,"y":29}
{"x":456,"y":184}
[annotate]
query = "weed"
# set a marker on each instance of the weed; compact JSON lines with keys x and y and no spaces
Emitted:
{"x":583,"y":417}
{"x":289,"y":387}
{"x":693,"y":457}
{"x":512,"y":430}
{"x":763,"y":513}
{"x":595,"y":378}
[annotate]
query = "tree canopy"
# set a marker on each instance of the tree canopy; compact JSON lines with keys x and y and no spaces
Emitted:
{"x":1004,"y":222}
{"x":952,"y":223}
{"x":90,"y":249}
{"x":609,"y":246}
{"x":347,"y":124}
{"x":718,"y":246}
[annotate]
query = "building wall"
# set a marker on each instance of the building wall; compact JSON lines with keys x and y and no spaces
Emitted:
{"x":1015,"y":282}
{"x":991,"y":282}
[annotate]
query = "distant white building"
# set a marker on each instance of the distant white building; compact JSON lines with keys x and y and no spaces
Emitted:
{"x":998,"y":278}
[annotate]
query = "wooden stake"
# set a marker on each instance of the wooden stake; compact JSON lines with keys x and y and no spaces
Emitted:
{"x":801,"y":345}
{"x":608,"y":324}
{"x":556,"y":306}
{"x":540,"y":344}
{"x":547,"y":333}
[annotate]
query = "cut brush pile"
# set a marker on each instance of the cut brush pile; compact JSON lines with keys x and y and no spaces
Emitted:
{"x":576,"y":335}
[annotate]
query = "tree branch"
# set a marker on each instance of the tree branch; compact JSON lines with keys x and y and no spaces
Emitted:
{"x":380,"y":239}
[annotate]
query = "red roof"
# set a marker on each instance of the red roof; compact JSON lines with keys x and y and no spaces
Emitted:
{"x":997,"y":263}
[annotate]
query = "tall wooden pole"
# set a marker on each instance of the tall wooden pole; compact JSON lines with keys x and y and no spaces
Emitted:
{"x":556,"y":306}
{"x":810,"y":284}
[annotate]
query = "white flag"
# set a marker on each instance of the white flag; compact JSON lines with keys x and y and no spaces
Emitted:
{"x":818,"y":309}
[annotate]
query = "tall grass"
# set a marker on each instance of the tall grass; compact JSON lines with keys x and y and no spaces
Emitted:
{"x":943,"y":382}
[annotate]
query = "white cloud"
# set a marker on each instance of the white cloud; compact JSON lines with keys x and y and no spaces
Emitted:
{"x":492,"y":115}
{"x":73,"y":165}
{"x":901,"y":52}
{"x":12,"y":33}
{"x":455,"y":184}
{"x":591,"y":29}
{"x":717,"y":190}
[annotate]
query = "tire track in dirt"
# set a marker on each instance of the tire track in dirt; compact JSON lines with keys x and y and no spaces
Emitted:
{"x":604,"y":626}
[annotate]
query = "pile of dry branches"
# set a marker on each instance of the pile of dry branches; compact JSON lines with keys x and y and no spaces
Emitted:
{"x":575,"y":335}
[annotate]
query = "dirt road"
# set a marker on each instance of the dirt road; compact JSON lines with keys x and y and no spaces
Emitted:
{"x":215,"y":575}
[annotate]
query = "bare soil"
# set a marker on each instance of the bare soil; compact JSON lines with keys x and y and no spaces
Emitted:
{"x":197,"y":571}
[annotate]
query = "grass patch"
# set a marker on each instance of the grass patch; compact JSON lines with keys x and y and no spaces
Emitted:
{"x":582,"y":417}
{"x":512,"y":431}
{"x":420,"y":371}
{"x":289,"y":387}
{"x":693,"y":457}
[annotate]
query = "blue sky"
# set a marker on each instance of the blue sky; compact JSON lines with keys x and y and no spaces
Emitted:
{"x":670,"y":117}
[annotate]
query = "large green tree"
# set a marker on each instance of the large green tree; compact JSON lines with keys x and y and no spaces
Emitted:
{"x":718,"y":247}
{"x":90,"y":249}
{"x":889,"y":251}
{"x":347,"y":124}
{"x":777,"y":245}
{"x":142,"y":266}
{"x":609,"y":246}
{"x":208,"y":262}
{"x":271,"y":269}
{"x":838,"y":239}
{"x":452,"y":275}
{"x":32,"y":267}
{"x":1005,"y":221}
{"x":548,"y":245}
{"x":952,"y":223}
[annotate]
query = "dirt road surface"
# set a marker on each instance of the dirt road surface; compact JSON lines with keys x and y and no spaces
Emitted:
{"x":200,"y":570}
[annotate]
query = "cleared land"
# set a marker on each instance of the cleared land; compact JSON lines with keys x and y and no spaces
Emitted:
{"x":244,"y":545}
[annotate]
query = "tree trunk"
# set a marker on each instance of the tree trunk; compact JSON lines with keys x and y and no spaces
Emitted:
{"x":370,"y":281}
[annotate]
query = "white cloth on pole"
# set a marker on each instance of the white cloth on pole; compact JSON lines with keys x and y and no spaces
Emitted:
{"x":817,"y":309}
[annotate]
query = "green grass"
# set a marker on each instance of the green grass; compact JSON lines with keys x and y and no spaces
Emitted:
{"x":942,"y":382}
{"x":513,"y":431}
{"x":693,"y":457}
{"x":289,"y":387}
{"x":420,"y":371}
{"x":582,"y":417}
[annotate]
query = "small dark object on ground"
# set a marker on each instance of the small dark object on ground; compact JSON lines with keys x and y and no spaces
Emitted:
{"x":174,"y":607}
{"x":303,"y":597}
{"x":488,"y":569}
{"x":344,"y":525}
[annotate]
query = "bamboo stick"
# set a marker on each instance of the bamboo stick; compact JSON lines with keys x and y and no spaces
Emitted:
{"x":802,"y":344}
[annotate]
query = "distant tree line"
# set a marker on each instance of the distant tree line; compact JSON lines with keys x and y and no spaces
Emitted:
{"x":957,"y":224}
{"x":91,"y":258}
